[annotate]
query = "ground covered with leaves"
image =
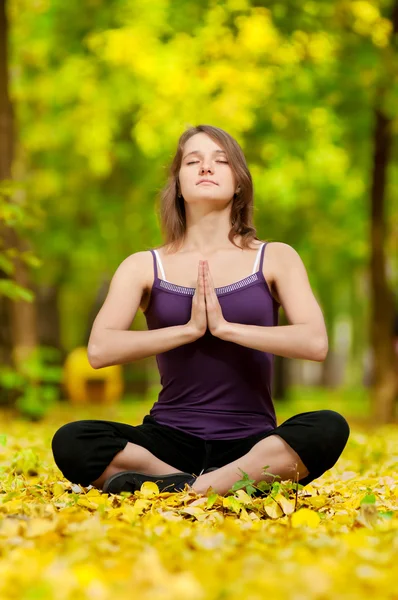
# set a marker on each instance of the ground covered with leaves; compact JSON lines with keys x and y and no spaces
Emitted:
{"x":334,"y":538}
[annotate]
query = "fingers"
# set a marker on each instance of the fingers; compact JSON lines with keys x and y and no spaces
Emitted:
{"x":200,"y":288}
{"x":206,"y":278}
{"x":203,"y":290}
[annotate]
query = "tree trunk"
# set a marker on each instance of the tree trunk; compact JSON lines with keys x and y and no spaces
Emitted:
{"x":6,"y":152}
{"x":384,"y":384}
{"x":360,"y":335}
{"x":48,"y":320}
{"x":19,"y":335}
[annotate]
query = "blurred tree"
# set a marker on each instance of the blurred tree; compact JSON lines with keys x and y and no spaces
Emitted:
{"x":104,"y":91}
{"x":17,"y":311}
{"x":385,"y":382}
{"x":6,"y":153}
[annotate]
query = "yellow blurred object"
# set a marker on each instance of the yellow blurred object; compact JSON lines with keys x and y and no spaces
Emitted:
{"x":85,"y":385}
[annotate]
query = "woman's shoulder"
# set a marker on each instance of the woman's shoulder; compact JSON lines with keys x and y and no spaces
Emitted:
{"x":283,"y":259}
{"x":139,"y":267}
{"x":137,"y":262}
{"x":281,"y":249}
{"x":278,"y":255}
{"x":272,"y":246}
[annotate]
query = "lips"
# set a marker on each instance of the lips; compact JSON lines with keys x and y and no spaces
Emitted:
{"x":206,"y":181}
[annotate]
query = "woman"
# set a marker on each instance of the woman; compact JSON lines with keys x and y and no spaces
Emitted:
{"x":212,"y":317}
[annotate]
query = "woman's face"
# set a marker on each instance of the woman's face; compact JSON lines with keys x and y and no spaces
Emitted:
{"x":203,"y":158}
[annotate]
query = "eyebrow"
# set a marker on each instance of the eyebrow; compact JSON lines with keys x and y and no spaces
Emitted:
{"x":199,"y":152}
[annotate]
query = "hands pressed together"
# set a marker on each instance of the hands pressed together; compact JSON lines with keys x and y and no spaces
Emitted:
{"x":206,"y":309}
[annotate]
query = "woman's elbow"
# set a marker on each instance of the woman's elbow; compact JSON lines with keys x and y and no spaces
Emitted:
{"x":320,"y":349}
{"x":93,"y":356}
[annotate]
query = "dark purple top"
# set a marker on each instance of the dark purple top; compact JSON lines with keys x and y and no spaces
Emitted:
{"x":211,"y":388}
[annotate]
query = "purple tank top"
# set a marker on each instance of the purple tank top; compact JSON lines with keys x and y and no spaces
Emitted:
{"x":211,"y":388}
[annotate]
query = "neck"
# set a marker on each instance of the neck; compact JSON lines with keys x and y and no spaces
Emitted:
{"x":208,"y":235}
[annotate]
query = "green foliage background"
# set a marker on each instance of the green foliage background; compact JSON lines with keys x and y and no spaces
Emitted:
{"x":103,"y":90}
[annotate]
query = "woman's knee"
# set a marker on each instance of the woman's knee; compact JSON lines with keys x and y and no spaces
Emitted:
{"x":66,"y":449}
{"x":334,"y":434}
{"x":83,"y":449}
{"x":331,"y":439}
{"x":337,"y":428}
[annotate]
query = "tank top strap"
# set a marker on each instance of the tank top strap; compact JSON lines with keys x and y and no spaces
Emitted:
{"x":262,"y":256}
{"x":259,"y":253}
{"x":156,"y":256}
{"x":155,"y":266}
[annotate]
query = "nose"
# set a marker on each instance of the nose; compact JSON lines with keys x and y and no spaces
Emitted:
{"x":205,"y":168}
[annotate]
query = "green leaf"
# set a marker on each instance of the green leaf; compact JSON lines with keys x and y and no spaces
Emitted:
{"x":211,"y":500}
{"x":14,"y":291}
{"x":31,"y":260}
{"x":243,"y":483}
{"x":388,"y":514}
{"x":250,"y":490}
{"x":368,"y":499}
{"x":264,"y":486}
{"x":6,"y":265}
{"x":10,"y":378}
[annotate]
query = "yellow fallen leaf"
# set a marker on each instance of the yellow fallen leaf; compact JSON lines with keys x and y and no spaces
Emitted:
{"x":253,"y":516}
{"x":11,"y":527}
{"x":192,"y":510}
{"x":137,"y":508}
{"x":85,"y":573}
{"x":94,"y":493}
{"x":273,"y":510}
{"x":86,"y":503}
{"x":343,"y":518}
{"x":305,"y":517}
{"x":58,"y":489}
{"x":244,"y":515}
{"x":149,"y":488}
{"x":215,"y":518}
{"x":114,"y":513}
{"x":169,"y":515}
{"x":317,"y":501}
{"x":12,"y":506}
{"x":170,"y":554}
{"x":102,"y":500}
{"x":231,"y":526}
{"x":199,"y":501}
{"x":355,"y":500}
{"x":243,"y":497}
{"x":209,"y":540}
{"x":232,"y":503}
{"x":286,"y":505}
{"x":65,"y":497}
{"x":37,"y":527}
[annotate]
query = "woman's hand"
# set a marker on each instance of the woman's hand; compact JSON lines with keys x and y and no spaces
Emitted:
{"x":198,"y":321}
{"x":215,"y":318}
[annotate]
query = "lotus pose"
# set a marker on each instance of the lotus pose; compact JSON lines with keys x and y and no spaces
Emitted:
{"x":210,"y":295}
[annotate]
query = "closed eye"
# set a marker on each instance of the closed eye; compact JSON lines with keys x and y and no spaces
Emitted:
{"x":220,"y":161}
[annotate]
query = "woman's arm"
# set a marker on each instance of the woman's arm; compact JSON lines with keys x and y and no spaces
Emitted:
{"x":306,"y":336}
{"x":110,"y":341}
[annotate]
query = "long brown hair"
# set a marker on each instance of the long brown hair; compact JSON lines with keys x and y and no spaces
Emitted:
{"x":172,"y":209}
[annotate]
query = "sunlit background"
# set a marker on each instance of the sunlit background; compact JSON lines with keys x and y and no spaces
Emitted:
{"x":97,"y":95}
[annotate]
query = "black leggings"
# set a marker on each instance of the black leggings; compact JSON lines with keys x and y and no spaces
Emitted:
{"x":83,"y":449}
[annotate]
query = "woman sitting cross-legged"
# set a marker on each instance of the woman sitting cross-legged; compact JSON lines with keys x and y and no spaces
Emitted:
{"x":210,"y":296}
